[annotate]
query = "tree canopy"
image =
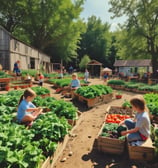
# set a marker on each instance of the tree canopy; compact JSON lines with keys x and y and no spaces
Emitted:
{"x":95,"y":41}
{"x":52,"y":26}
{"x":140,"y":29}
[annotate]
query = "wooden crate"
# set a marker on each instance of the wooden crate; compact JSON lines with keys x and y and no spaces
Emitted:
{"x":110,"y":145}
{"x":119,"y":110}
{"x":94,"y":101}
{"x":107,"y":98}
{"x":90,"y":102}
{"x":144,"y":152}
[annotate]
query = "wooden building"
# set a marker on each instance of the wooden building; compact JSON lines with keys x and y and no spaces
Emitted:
{"x":129,"y":67}
{"x":12,"y":49}
{"x":94,"y":67}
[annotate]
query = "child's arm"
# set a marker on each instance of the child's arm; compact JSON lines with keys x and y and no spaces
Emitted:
{"x":130,"y":131}
{"x":33,"y":109}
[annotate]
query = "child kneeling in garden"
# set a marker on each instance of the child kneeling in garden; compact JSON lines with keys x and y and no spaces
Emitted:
{"x":27,"y":111}
{"x":139,"y":128}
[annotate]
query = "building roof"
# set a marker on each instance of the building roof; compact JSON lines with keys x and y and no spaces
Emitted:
{"x":106,"y":70}
{"x":133,"y":63}
{"x":94,"y":62}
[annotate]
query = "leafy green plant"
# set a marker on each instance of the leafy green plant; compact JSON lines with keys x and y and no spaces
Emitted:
{"x":152,"y":103}
{"x":126,"y":104}
{"x":4,"y":75}
{"x":16,"y":147}
{"x":112,"y":130}
{"x":93,"y":91}
{"x":116,"y":82}
{"x":31,"y":72}
{"x":41,"y":90}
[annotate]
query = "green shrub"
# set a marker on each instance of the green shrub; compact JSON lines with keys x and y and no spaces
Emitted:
{"x":116,"y":82}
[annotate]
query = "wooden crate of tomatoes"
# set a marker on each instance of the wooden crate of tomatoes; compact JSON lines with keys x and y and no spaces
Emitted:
{"x":117,"y":114}
{"x":109,"y":139}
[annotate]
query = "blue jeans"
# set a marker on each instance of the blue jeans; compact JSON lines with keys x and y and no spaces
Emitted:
{"x":132,"y":136}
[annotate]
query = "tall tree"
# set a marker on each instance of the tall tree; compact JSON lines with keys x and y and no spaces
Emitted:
{"x":45,"y":24}
{"x":141,"y":26}
{"x":113,"y":51}
{"x":95,"y":40}
{"x":12,"y":14}
{"x":84,"y":61}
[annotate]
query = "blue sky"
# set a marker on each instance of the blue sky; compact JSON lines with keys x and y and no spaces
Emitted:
{"x":99,"y":8}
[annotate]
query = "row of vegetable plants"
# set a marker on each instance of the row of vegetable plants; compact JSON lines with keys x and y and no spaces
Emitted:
{"x":4,"y":75}
{"x":133,"y":86}
{"x":23,"y":148}
{"x":93,"y":91}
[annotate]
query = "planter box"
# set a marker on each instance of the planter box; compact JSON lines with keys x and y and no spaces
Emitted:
{"x":144,"y":152}
{"x":118,"y":87}
{"x":110,"y":145}
{"x":94,"y":101}
{"x":119,"y":110}
{"x":45,"y":95}
{"x":90,"y":102}
{"x":4,"y":80}
{"x":107,"y":98}
{"x":4,"y":83}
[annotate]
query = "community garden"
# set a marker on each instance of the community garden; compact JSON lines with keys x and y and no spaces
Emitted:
{"x":76,"y":131}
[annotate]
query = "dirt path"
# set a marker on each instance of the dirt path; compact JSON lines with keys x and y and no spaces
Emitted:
{"x":81,"y":144}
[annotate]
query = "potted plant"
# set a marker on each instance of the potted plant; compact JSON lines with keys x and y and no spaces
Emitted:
{"x":118,"y":95}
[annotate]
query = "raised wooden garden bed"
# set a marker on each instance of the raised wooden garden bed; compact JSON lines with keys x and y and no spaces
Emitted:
{"x":119,"y":110}
{"x":110,"y":145}
{"x":143,"y":152}
{"x":21,"y":84}
{"x":4,"y":83}
{"x":45,"y":95}
{"x":94,"y":101}
{"x":4,"y":80}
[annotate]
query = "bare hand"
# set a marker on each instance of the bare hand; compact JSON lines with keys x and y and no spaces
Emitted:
{"x":40,"y":110}
{"x":123,"y":133}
